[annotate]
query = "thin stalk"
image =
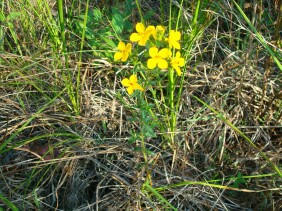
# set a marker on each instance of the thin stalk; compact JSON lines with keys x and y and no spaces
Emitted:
{"x":67,"y":77}
{"x":189,"y":48}
{"x":78,"y":88}
{"x":185,"y":183}
{"x":140,"y":11}
{"x":171,"y":87}
{"x":172,"y":104}
{"x":211,"y":182}
{"x":63,"y":33}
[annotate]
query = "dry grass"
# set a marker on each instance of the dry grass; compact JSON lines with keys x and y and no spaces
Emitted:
{"x":98,"y":169}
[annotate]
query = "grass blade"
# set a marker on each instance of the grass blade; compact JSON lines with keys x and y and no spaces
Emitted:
{"x":259,"y":37}
{"x":8,"y":203}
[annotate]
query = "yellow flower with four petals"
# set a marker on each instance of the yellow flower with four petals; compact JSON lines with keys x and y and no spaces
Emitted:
{"x":177,"y":62}
{"x":173,"y":39}
{"x":158,"y":58}
{"x":124,"y":51}
{"x":143,"y":34}
{"x":131,"y":84}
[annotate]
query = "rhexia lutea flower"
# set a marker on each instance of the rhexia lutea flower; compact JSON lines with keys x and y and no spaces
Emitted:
{"x":158,"y":58}
{"x":131,"y":84}
{"x":177,"y":62}
{"x":143,"y":34}
{"x":173,"y":39}
{"x":124,"y":51}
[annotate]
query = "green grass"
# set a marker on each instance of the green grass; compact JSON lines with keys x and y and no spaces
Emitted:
{"x":72,"y":138}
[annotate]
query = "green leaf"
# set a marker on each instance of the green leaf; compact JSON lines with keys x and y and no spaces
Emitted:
{"x":109,"y":41}
{"x":117,"y":23}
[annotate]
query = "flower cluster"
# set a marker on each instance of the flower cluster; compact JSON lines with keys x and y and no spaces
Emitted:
{"x":160,"y":51}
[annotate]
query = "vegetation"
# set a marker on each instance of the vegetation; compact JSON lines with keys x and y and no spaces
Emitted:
{"x":140,"y":105}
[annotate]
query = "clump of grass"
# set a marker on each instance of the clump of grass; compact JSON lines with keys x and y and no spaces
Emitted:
{"x":71,"y":138}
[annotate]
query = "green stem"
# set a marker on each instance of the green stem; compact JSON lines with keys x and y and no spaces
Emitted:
{"x":68,"y":78}
{"x":171,"y":102}
{"x":140,"y":11}
{"x":63,"y":33}
{"x":78,"y":88}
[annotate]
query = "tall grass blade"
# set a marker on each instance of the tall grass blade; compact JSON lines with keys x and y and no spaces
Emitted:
{"x":8,"y":203}
{"x":259,"y":37}
{"x":159,"y":196}
{"x":67,"y":77}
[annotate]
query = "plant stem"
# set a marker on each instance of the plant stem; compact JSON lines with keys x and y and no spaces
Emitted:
{"x":67,"y":77}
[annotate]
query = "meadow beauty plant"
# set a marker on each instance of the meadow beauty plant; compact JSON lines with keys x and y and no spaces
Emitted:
{"x":158,"y":58}
{"x":159,"y":55}
{"x":131,"y":84}
{"x":124,"y":51}
{"x":177,"y":62}
{"x":143,"y":34}
{"x":154,"y":54}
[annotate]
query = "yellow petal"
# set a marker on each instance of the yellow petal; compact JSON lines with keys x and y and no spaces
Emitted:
{"x":176,"y":45}
{"x":162,"y":64}
{"x":125,"y":82}
{"x":140,"y":27}
{"x":142,"y":41}
{"x":151,"y":63}
{"x":181,"y":62}
{"x":164,"y":53}
{"x":130,"y":90}
{"x":176,"y":35}
{"x":121,"y":46}
{"x":153,"y":51}
{"x":134,"y":37}
{"x":178,"y":71}
{"x":137,"y":86}
{"x":150,"y":30}
{"x":117,"y":56}
{"x":133,"y":79}
{"x":124,"y":57}
{"x":177,"y":55}
{"x":128,"y":47}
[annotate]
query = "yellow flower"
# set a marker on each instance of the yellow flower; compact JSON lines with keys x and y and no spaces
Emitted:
{"x":131,"y":84}
{"x":173,"y":39}
{"x":159,"y":32}
{"x":158,"y":58}
{"x":177,"y":62}
{"x":143,"y":34}
{"x":124,"y":51}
